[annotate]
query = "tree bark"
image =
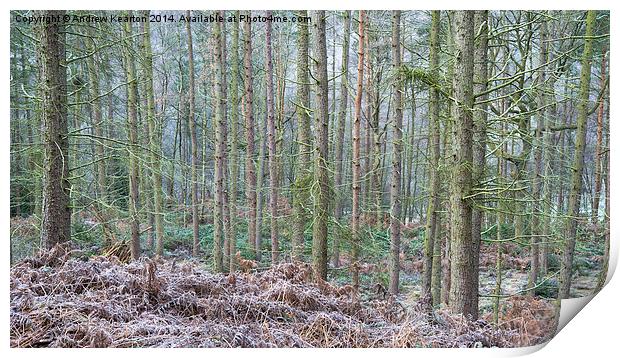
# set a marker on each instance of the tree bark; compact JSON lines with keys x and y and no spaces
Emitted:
{"x":339,"y":142}
{"x":480,"y":138}
{"x":397,"y":148}
{"x":194,"y":141}
{"x":56,"y":212}
{"x":271,"y":134}
{"x":250,"y":169}
{"x":234,"y":146}
{"x":220,"y":147}
{"x":574,"y":196}
{"x":355,"y":135}
{"x":598,"y":165}
{"x":434,"y":185}
{"x":321,"y":127}
{"x":462,"y":293}
{"x":132,"y":147}
{"x":304,"y":137}
{"x":155,"y":142}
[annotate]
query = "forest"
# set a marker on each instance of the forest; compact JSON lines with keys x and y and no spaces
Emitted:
{"x":305,"y":178}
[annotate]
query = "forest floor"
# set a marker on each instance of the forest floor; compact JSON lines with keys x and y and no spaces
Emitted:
{"x":63,"y":298}
{"x":91,"y":296}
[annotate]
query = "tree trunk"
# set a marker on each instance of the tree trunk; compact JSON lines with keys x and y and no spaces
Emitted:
{"x":355,"y":135}
{"x":434,"y":185}
{"x":234,"y":157}
{"x":155,"y":142}
{"x":574,"y":196}
{"x":397,"y":148}
{"x":479,"y":137}
{"x":598,"y":166}
{"x":132,"y":148}
{"x":462,"y":293}
{"x":271,"y":133}
{"x":339,"y":142}
{"x":220,"y":147}
{"x":250,"y":173}
{"x":321,"y":127}
{"x":56,"y":212}
{"x":304,"y":137}
{"x":194,"y":141}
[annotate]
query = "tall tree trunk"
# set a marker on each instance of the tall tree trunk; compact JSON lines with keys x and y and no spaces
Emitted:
{"x":462,"y":293}
{"x":321,"y":127}
{"x":194,"y":141}
{"x":271,"y":133}
{"x":95,"y":104}
{"x":598,"y":166}
{"x":132,"y":128}
{"x":250,"y":173}
{"x":223,"y":107}
{"x":448,"y":141}
{"x":480,"y":137}
{"x":538,"y":141}
{"x":234,"y":157}
{"x":397,"y":148}
{"x":355,"y":135}
{"x":574,"y":196}
{"x":547,"y":161}
{"x":155,"y":141}
{"x":433,"y":201}
{"x":304,"y":137}
{"x":262,"y":158}
{"x":56,"y":212}
{"x":220,"y":146}
{"x":367,"y":201}
{"x":339,"y":142}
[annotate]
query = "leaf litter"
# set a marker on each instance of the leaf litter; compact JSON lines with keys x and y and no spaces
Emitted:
{"x":60,"y":300}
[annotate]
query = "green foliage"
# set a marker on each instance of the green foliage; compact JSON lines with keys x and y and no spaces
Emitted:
{"x":181,"y":237}
{"x":553,"y":262}
{"x":547,"y":289}
{"x":86,"y":236}
{"x":417,"y":74}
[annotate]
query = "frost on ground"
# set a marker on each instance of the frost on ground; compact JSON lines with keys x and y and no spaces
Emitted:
{"x":58,"y":300}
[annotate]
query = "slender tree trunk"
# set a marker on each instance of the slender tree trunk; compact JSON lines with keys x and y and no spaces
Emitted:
{"x":223,"y":106}
{"x":448,"y":140}
{"x":538,"y":164}
{"x":194,"y":141}
{"x":434,"y":185}
{"x":304,"y":137}
{"x":95,"y":104}
{"x":355,"y":135}
{"x":397,"y":148}
{"x":547,"y":151}
{"x":339,"y":142}
{"x":220,"y":146}
{"x":250,"y":173}
{"x":234,"y":157}
{"x":271,"y":133}
{"x":480,"y":138}
{"x":56,"y":212}
{"x":154,"y":142}
{"x":367,"y":201}
{"x":462,"y":293}
{"x":262,"y":158}
{"x":321,"y":127}
{"x":574,"y":196}
{"x":598,"y":166}
{"x":132,"y":148}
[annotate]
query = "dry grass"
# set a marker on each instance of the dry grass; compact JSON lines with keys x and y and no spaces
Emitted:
{"x":60,"y":301}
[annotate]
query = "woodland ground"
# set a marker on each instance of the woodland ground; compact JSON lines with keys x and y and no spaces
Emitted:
{"x":91,"y":296}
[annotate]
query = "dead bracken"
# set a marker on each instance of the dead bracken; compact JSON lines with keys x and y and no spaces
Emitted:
{"x":59,"y":299}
